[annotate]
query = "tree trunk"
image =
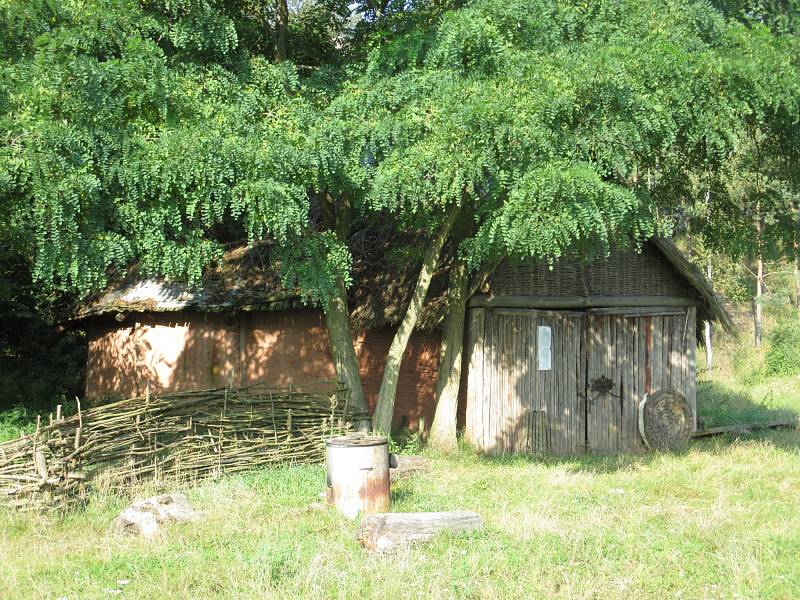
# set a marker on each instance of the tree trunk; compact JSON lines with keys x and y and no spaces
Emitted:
{"x":384,"y":409}
{"x":797,"y":284}
{"x":281,"y":41}
{"x":337,"y":215}
{"x":758,"y":309}
{"x":707,"y":330}
{"x":337,"y":319}
{"x":443,"y":428}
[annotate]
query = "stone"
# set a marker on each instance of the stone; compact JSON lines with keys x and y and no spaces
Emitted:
{"x":145,"y":517}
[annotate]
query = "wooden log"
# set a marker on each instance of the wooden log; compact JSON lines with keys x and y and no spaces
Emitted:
{"x":384,"y":532}
{"x":746,"y":427}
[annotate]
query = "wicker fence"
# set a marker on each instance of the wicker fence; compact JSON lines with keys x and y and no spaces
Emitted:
{"x":170,"y":438}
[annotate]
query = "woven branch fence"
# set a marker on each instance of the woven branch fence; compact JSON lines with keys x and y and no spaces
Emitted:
{"x":171,"y":438}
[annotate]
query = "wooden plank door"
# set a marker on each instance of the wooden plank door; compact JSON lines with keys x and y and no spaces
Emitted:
{"x":613,"y":383}
{"x":535,"y":377}
{"x":630,"y":355}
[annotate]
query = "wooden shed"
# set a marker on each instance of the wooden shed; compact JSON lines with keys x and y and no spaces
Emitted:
{"x":560,"y":357}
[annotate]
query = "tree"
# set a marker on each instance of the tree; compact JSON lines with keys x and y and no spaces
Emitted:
{"x":563,"y":126}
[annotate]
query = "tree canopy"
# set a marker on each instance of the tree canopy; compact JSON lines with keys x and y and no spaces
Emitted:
{"x":154,"y":132}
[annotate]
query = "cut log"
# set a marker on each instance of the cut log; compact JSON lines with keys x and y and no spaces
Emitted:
{"x":383,"y":532}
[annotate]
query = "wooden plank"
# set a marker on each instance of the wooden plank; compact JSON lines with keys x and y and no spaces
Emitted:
{"x":591,"y":365}
{"x":530,"y":392}
{"x":562,"y":369}
{"x":475,"y":341}
{"x":549,"y":391}
{"x":555,"y":417}
{"x":541,"y":393}
{"x":624,"y":364}
{"x":383,"y":532}
{"x":635,"y":311}
{"x":691,"y":374}
{"x":746,"y":427}
{"x":579,"y":390}
{"x":518,"y":368}
{"x":577,"y":302}
{"x":678,"y":352}
{"x":641,"y":373}
{"x":488,"y":380}
{"x":526,"y":312}
{"x":658,"y":353}
{"x":501,"y":432}
{"x":606,"y":349}
{"x":582,"y":389}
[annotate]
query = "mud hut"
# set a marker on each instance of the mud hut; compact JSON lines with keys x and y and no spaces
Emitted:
{"x":241,"y":327}
{"x":557,"y":358}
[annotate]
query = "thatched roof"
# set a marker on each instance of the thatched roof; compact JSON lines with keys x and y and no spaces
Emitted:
{"x":712,"y":308}
{"x":246,"y":279}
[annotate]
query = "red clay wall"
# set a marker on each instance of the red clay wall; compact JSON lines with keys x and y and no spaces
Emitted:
{"x":181,"y":351}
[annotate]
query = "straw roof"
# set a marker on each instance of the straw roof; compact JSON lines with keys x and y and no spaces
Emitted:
{"x":246,"y":279}
{"x":712,"y":308}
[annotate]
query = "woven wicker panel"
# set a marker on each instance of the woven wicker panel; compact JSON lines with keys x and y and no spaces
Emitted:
{"x":535,"y":278}
{"x":622,"y":273}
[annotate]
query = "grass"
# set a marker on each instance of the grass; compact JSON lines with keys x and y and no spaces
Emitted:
{"x":739,"y":388}
{"x":718,"y":521}
{"x":721,"y":520}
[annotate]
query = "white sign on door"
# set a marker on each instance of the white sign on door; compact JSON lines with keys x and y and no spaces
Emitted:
{"x":543,"y":343}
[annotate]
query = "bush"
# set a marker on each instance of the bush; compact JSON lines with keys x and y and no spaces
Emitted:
{"x":16,"y":422}
{"x":783,"y":353}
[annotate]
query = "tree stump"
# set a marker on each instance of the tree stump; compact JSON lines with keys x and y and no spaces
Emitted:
{"x":384,"y":532}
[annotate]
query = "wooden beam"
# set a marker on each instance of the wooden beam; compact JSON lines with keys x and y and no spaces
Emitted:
{"x":639,"y":311}
{"x":383,"y":532}
{"x":746,"y":427}
{"x":539,"y":312}
{"x":578,"y":302}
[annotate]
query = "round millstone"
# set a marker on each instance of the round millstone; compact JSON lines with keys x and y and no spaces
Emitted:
{"x":665,"y":420}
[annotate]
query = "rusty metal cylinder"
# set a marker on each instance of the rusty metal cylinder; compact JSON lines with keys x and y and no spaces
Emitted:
{"x":358,"y":473}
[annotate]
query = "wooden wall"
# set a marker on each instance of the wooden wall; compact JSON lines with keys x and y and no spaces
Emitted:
{"x":181,"y":351}
{"x":514,"y":406}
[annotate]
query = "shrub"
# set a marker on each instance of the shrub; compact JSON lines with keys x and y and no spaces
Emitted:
{"x":16,"y":422}
{"x":783,"y":353}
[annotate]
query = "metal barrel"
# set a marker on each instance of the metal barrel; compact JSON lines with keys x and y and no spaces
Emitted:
{"x":358,"y":473}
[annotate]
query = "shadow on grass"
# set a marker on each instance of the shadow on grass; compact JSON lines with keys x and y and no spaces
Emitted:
{"x":786,"y":439}
{"x":719,"y":405}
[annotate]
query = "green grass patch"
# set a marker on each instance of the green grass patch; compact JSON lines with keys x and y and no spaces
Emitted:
{"x":16,"y":422}
{"x":720,"y":520}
